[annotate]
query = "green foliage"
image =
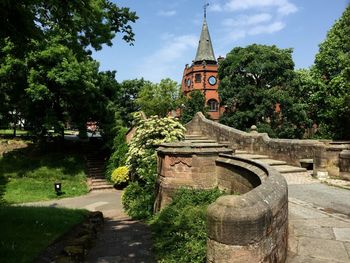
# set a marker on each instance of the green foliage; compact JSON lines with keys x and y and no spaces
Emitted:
{"x":27,"y":231}
{"x":120,"y":175}
{"x":179,"y":230}
{"x":139,"y":196}
{"x":119,"y":151}
{"x":27,"y":176}
{"x":195,"y":103}
{"x":149,"y":134}
{"x":125,"y":99}
{"x":138,"y":200}
{"x":88,"y":22}
{"x":254,"y":80}
{"x":332,"y":67}
{"x":47,"y":74}
{"x":158,"y":99}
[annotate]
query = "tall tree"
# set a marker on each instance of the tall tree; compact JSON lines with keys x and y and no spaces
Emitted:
{"x":191,"y":105}
{"x":254,"y":80}
{"x":158,"y":99}
{"x":125,"y":100}
{"x":332,"y":67}
{"x":46,"y":63}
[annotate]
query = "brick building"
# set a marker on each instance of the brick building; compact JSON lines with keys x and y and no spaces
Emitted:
{"x":203,"y":74}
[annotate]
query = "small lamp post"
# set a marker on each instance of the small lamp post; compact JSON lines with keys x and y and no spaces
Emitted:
{"x":58,"y":188}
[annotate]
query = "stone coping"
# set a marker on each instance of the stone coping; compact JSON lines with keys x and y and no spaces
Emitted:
{"x":246,"y":219}
{"x":264,"y":136}
{"x":179,"y":148}
{"x":258,"y":168}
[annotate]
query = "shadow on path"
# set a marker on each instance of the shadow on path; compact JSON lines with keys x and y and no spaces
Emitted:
{"x":124,"y":241}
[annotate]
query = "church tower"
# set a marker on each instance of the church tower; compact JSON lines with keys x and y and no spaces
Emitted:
{"x":203,"y":73}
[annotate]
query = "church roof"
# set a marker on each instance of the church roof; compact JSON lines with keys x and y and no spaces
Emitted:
{"x":205,"y":51}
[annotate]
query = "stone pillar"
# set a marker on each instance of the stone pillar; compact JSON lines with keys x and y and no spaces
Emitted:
{"x":344,"y":164}
{"x":326,"y":161}
{"x":186,"y":165}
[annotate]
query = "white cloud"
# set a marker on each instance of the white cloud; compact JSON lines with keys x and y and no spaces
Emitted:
{"x":245,"y":20}
{"x":167,"y":13}
{"x":215,"y":8}
{"x":161,"y":64}
{"x":284,"y":7}
{"x":269,"y":29}
{"x":253,"y":17}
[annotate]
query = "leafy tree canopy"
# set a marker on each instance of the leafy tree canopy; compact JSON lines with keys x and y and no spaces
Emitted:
{"x":192,"y":105}
{"x":158,"y":99}
{"x":88,"y":22}
{"x":254,"y":80}
{"x":332,"y":68}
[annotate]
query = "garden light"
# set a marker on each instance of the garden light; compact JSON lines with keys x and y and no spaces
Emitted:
{"x":58,"y":188}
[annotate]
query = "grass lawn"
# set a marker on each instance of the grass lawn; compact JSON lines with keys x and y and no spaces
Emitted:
{"x":10,"y":132}
{"x":28,"y":175}
{"x":27,"y":231}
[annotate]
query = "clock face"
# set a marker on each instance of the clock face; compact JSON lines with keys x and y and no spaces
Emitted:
{"x":212,"y":80}
{"x":188,"y":82}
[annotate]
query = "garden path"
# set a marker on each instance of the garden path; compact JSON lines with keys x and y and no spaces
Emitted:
{"x":122,"y":240}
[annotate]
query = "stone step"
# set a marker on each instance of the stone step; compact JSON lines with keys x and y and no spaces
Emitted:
{"x":272,"y":162}
{"x":201,"y":141}
{"x":98,"y":177}
{"x":98,"y":180}
{"x":240,"y":152}
{"x":101,"y":187}
{"x":251,"y":156}
{"x":102,"y":182}
{"x":289,"y":169}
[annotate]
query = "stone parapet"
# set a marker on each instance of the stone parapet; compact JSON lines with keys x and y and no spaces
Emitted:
{"x":186,"y":165}
{"x":324,"y":153}
{"x":251,"y":227}
{"x":344,"y":164}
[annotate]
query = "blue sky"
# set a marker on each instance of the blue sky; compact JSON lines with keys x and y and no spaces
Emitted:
{"x":167,"y":32}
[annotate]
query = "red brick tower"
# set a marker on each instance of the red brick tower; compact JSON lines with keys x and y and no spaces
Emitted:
{"x":203,"y":73}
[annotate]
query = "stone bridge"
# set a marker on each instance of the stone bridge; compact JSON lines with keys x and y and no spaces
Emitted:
{"x":250,"y":224}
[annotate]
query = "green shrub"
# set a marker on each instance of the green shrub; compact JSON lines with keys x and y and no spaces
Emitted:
{"x":139,"y":196}
{"x":138,"y":200}
{"x":149,"y":134}
{"x":120,"y":175}
{"x":119,"y":150}
{"x":179,"y":230}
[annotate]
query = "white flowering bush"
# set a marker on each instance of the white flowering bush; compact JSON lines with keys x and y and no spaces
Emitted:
{"x":149,"y":134}
{"x":138,"y":197}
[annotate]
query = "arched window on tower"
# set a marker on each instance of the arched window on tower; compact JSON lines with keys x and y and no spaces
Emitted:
{"x":213,"y":105}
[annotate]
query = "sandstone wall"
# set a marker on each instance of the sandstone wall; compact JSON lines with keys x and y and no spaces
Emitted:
{"x":325,"y":154}
{"x":251,"y":227}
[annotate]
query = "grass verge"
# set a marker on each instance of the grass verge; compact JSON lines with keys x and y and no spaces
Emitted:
{"x":27,"y":231}
{"x":28,"y":175}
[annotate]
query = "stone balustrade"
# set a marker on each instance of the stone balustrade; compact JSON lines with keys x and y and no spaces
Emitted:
{"x":250,"y":223}
{"x":325,"y":154}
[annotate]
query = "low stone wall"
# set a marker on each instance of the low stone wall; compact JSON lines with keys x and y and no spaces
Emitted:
{"x":186,"y":164}
{"x":250,"y":227}
{"x":325,"y":154}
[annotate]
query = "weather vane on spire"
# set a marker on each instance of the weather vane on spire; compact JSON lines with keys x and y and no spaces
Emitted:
{"x":205,"y":9}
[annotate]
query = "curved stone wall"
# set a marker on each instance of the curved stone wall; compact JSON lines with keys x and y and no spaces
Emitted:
{"x":248,"y":227}
{"x":253,"y":226}
{"x":324,"y":153}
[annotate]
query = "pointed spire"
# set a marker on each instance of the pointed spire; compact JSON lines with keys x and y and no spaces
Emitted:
{"x":205,"y":51}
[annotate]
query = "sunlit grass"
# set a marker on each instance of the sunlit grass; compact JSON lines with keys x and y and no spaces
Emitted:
{"x":27,"y":231}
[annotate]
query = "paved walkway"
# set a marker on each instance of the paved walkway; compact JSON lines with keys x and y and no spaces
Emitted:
{"x":122,"y":240}
{"x":319,"y":222}
{"x":319,"y":225}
